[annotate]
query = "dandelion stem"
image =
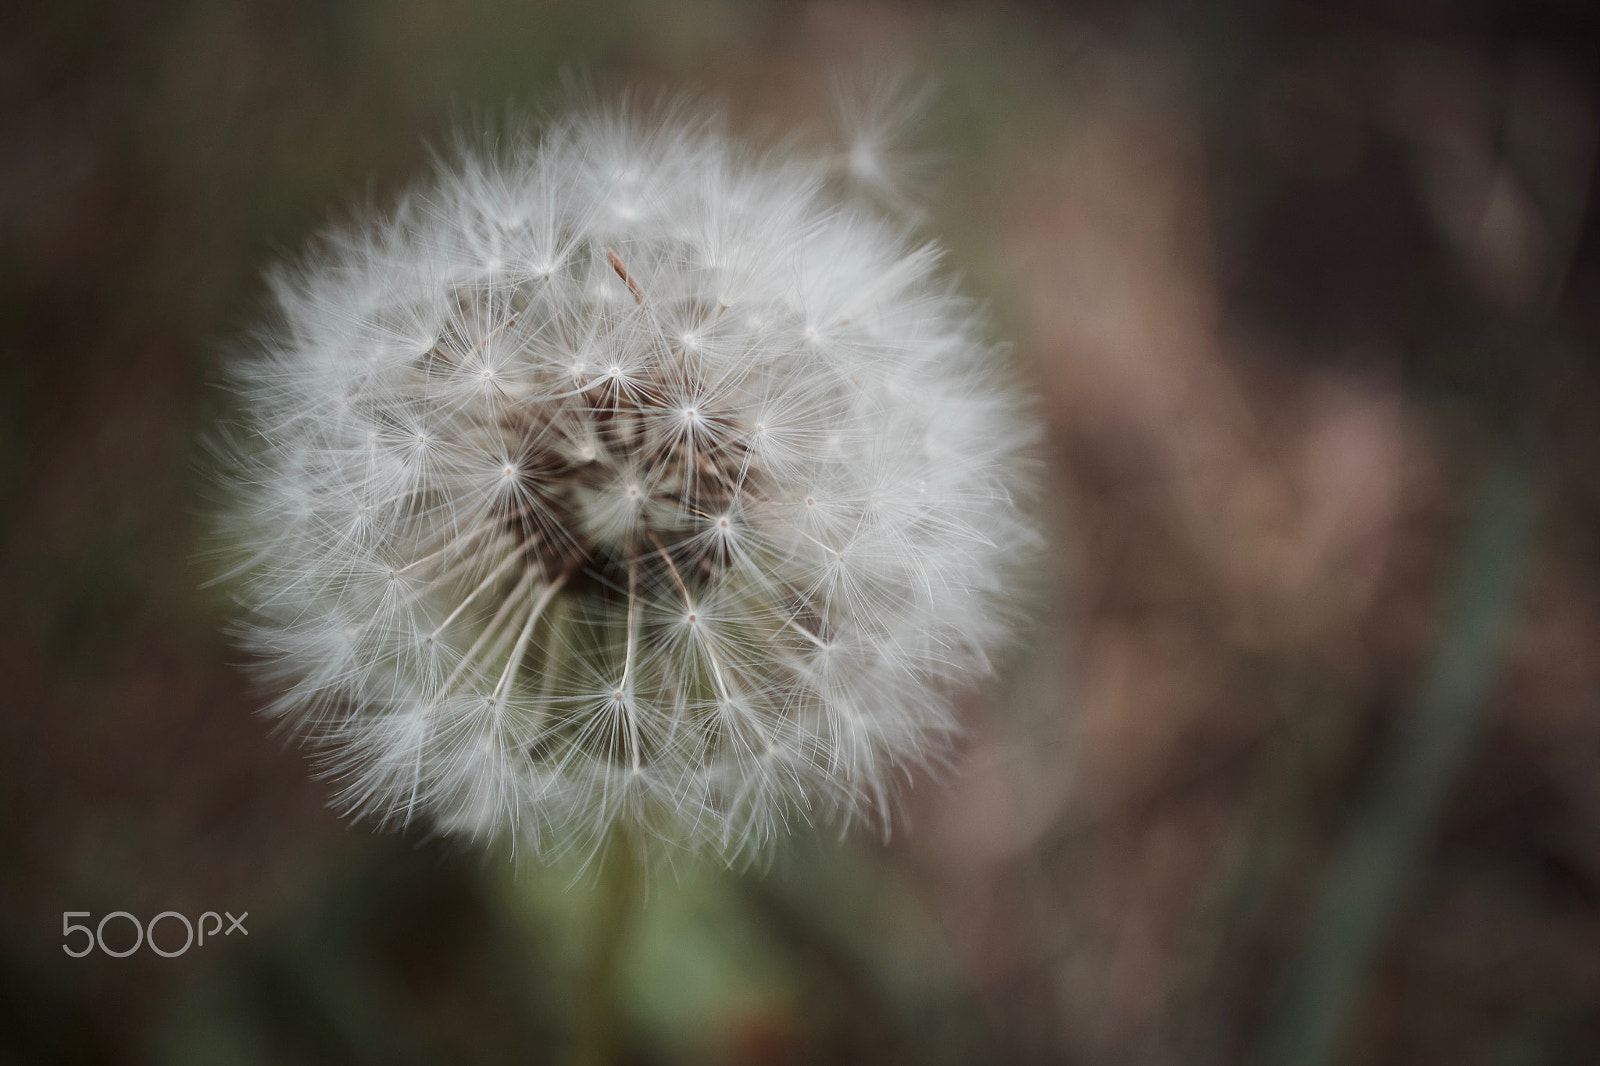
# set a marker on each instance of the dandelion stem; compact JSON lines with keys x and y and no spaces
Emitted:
{"x":488,"y":580}
{"x":622,"y":272}
{"x":803,"y":631}
{"x":617,"y":904}
{"x":724,"y":695}
{"x":471,"y":655}
{"x":627,"y":664}
{"x":527,"y":632}
{"x":446,"y":546}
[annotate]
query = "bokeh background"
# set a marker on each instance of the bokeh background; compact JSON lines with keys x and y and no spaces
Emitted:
{"x":1300,"y":762}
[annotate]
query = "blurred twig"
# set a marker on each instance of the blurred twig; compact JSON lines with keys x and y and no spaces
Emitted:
{"x":1433,"y":738}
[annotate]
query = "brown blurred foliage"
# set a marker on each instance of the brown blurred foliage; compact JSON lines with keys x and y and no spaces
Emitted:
{"x":1287,"y":279}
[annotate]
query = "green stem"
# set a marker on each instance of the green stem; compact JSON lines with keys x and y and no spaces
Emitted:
{"x":1432,"y":741}
{"x":617,"y":900}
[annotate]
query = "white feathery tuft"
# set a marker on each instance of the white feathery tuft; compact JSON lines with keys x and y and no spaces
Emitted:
{"x":622,"y":475}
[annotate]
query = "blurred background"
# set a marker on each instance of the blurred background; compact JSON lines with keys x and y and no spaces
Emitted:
{"x":1300,"y":762}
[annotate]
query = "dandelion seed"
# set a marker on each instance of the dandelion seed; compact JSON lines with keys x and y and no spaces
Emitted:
{"x":539,"y":539}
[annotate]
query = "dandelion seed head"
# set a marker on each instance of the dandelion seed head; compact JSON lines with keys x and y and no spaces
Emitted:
{"x":624,"y":474}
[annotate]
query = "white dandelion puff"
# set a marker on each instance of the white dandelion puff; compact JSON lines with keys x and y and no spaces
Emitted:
{"x":622,"y":475}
